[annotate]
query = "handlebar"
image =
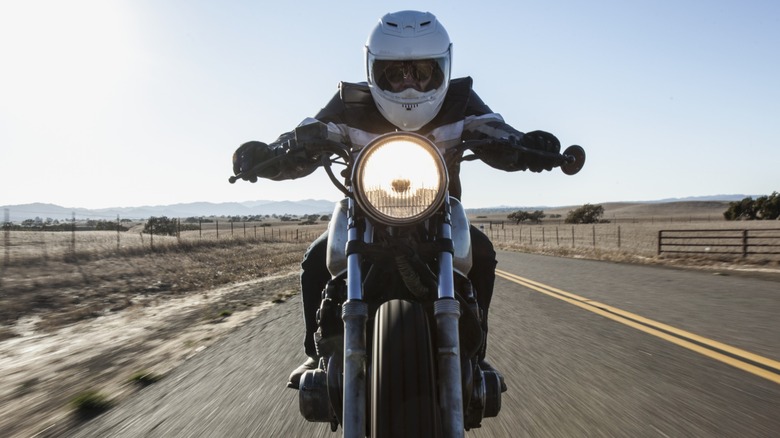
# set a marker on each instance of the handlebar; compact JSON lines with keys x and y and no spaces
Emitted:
{"x":313,"y":140}
{"x":571,"y":161}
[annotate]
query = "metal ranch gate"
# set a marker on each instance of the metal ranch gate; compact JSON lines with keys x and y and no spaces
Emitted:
{"x":722,"y":242}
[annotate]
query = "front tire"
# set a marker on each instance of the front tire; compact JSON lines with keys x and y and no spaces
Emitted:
{"x":403,"y":383}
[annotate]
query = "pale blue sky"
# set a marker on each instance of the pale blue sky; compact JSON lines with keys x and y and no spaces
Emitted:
{"x":128,"y":103}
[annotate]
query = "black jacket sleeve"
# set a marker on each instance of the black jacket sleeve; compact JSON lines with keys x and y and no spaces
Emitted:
{"x":483,"y":124}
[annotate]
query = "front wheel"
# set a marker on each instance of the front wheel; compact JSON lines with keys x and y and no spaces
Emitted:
{"x":403,"y":383}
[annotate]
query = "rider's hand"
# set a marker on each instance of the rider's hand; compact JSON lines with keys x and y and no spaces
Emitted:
{"x":248,"y":155}
{"x":540,"y":141}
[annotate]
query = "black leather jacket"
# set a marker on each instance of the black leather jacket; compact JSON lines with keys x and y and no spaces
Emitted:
{"x":352,"y":116}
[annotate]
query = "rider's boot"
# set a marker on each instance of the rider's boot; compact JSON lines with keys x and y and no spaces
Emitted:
{"x":294,"y":380}
{"x":484,"y":365}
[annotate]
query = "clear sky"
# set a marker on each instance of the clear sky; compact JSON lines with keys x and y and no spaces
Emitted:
{"x":111,"y":103}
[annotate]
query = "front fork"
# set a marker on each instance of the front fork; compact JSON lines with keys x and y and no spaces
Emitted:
{"x":446,"y":310}
{"x":355,"y":315}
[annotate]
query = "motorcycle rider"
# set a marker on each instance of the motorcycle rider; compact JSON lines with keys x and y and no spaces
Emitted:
{"x":408,"y":58}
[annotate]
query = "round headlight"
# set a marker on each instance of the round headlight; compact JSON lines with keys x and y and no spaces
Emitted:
{"x":400,"y":179}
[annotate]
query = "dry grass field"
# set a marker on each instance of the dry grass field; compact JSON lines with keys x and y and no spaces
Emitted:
{"x":85,"y":313}
{"x":631,"y":234}
{"x":88,"y":311}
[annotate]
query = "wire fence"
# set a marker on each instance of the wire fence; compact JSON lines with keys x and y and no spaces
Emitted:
{"x":74,"y":239}
{"x":735,"y":242}
{"x":71,"y":238}
{"x":641,"y":238}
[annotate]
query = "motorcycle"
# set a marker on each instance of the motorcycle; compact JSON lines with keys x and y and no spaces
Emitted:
{"x":399,"y":325}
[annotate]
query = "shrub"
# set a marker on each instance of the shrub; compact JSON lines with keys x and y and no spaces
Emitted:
{"x":764,"y":207}
{"x":522,"y":216}
{"x":144,"y":378}
{"x":587,"y":214}
{"x":91,"y":403}
{"x":161,"y":226}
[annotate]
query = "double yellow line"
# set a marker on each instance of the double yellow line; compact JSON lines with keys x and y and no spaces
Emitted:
{"x":744,"y":360}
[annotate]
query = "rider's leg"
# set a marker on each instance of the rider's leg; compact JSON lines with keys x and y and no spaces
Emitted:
{"x":314,"y":277}
{"x":482,"y":275}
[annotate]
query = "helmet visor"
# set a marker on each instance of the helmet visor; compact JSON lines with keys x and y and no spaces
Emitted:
{"x":398,"y":75}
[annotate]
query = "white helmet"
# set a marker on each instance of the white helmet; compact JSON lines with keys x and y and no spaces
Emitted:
{"x":408,"y":57}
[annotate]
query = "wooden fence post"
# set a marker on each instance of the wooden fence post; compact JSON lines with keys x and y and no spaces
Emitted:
{"x":73,"y":235}
{"x":7,"y":237}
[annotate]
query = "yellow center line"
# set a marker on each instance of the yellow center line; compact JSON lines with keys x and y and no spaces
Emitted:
{"x":660,"y":330}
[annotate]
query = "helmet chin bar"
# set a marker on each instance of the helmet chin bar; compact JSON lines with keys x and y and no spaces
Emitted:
{"x":409,"y":117}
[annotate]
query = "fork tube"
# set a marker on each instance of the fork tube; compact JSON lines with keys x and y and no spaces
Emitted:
{"x":355,"y":315}
{"x":354,"y":274}
{"x":447,"y":312}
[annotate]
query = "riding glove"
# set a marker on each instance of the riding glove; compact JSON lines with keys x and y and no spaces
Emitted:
{"x":248,"y":155}
{"x":540,"y":141}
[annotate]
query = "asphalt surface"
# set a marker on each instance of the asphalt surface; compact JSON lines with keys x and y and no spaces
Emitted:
{"x":595,"y":349}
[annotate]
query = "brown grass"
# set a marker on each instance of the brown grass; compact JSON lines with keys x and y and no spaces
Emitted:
{"x":164,"y":305}
{"x":65,"y":290}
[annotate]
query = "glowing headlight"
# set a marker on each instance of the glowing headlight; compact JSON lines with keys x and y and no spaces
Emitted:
{"x":400,"y":179}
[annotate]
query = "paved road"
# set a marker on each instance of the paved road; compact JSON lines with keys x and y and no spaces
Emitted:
{"x":592,"y":349}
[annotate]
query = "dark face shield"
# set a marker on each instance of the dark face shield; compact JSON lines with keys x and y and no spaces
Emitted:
{"x":420,"y":74}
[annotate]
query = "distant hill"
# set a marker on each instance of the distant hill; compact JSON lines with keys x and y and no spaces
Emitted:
{"x":622,"y":211}
{"x":709,"y":205}
{"x":21,"y":212}
{"x":675,"y":204}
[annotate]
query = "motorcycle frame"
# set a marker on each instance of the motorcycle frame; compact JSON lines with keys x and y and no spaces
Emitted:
{"x":315,"y":137}
{"x":355,"y":315}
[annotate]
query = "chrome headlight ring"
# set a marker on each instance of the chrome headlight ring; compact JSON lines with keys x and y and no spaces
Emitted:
{"x":400,"y":179}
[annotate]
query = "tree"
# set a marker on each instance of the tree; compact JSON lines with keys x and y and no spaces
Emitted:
{"x":537,"y":216}
{"x":741,"y":210}
{"x":161,"y":225}
{"x":518,"y":216}
{"x":587,"y":214}
{"x":309,"y":219}
{"x":768,"y":207}
{"x":109,"y":226}
{"x":522,"y":216}
{"x":764,"y":207}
